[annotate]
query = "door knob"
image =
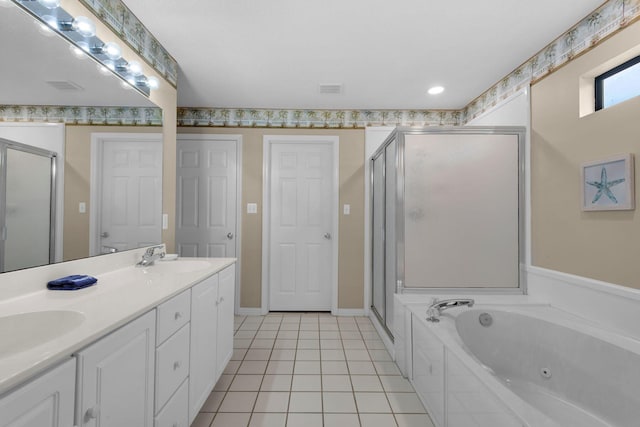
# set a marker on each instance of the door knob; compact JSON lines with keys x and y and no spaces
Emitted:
{"x":327,"y":236}
{"x":104,"y":234}
{"x":92,"y":413}
{"x":229,"y":236}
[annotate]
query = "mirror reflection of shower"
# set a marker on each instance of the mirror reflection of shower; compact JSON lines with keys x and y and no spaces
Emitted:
{"x":27,"y":206}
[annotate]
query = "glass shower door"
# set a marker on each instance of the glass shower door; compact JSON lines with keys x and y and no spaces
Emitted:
{"x":378,"y":237}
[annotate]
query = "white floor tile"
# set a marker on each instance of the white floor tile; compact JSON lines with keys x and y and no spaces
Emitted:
{"x":308,"y":344}
{"x":337,"y":354}
{"x":245,"y":334}
{"x":308,"y":335}
{"x":238,"y":353}
{"x":375,"y":344}
{"x":257,"y":354}
{"x":266,"y":333}
{"x":280,"y":367}
{"x":353,"y":344}
{"x":336,"y":383}
{"x":329,"y":335}
{"x":305,"y":401}
{"x":203,"y":419}
{"x":231,"y":420}
{"x":213,"y":401}
{"x":414,"y":420}
{"x":307,"y":367}
{"x":223,"y":383}
{"x":232,"y":367}
{"x":356,"y":355}
{"x":380,"y":355}
{"x":359,"y":367}
{"x":377,"y":420}
{"x":306,"y":383}
{"x":276,"y":383}
{"x":262,"y":343}
{"x":289,"y":326}
{"x":334,"y":367}
{"x":306,"y":354}
{"x":285,"y":343}
{"x":331,"y":344}
{"x":238,"y":401}
{"x":341,"y":420}
{"x":366,"y":383}
{"x":372,"y":403}
{"x":351,"y":335}
{"x":395,"y":383}
{"x":290,"y":335}
{"x":338,"y":402}
{"x":272,"y":401}
{"x":304,"y":420}
{"x":246,"y":383}
{"x":386,"y":368}
{"x":255,"y":367}
{"x":242,"y":342}
{"x":283,"y":354}
{"x":405,"y":403}
{"x":268,"y":420}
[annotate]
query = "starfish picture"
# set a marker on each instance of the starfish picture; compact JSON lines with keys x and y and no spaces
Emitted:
{"x":604,"y":186}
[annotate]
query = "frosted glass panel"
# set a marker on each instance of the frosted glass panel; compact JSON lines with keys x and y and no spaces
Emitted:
{"x":461,"y":210}
{"x":28,"y":211}
{"x":377,"y":237}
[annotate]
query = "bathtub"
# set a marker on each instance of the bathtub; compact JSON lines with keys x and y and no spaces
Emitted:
{"x":528,"y":365}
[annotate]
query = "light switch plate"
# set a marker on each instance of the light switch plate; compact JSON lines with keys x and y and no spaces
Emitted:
{"x":252,"y":208}
{"x":82,"y":207}
{"x":165,"y":221}
{"x":346,"y":210}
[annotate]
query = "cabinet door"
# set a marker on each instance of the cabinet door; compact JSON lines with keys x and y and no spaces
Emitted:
{"x":226,"y":292}
{"x":202,"y":363}
{"x":46,"y":401}
{"x":116,"y":377}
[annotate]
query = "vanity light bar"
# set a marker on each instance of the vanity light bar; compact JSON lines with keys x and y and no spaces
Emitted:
{"x":80,"y":31}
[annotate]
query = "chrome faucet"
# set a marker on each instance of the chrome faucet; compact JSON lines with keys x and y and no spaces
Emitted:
{"x":435,"y":310}
{"x":150,"y":256}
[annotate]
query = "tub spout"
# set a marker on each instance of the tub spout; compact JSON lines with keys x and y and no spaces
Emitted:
{"x":435,"y":309}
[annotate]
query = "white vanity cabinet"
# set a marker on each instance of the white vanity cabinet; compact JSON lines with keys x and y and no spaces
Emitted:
{"x":115,"y":383}
{"x":212,"y":305}
{"x":46,"y":401}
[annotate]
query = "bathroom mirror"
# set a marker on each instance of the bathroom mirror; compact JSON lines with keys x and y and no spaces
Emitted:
{"x":41,"y":68}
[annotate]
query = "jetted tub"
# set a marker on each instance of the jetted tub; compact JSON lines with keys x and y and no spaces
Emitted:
{"x":524,"y":366}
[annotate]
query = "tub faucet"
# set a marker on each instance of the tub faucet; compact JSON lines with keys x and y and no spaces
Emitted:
{"x":435,"y":310}
{"x":150,"y":256}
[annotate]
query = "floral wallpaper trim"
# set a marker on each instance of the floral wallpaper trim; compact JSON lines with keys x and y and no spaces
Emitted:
{"x":94,"y":116}
{"x":611,"y":17}
{"x":117,"y":16}
{"x":286,"y":118}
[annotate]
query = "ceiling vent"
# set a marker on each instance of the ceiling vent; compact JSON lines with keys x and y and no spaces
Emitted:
{"x":65,"y":86}
{"x":331,"y":89}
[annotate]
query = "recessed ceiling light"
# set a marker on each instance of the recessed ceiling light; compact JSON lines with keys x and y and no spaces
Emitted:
{"x":435,"y":90}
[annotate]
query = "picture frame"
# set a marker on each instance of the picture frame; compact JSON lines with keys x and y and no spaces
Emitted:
{"x":608,"y":184}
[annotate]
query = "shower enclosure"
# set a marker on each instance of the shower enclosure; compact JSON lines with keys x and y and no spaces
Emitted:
{"x":27,"y":206}
{"x":447,"y":207}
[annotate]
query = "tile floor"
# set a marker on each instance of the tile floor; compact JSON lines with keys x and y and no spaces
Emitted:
{"x":311,"y":370}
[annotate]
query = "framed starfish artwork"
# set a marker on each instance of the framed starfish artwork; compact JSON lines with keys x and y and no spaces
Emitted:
{"x":608,"y":184}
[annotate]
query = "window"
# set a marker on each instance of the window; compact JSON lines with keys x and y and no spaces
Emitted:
{"x":618,"y":85}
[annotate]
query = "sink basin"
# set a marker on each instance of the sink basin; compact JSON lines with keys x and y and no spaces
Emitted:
{"x":179,"y":266}
{"x":20,"y":332}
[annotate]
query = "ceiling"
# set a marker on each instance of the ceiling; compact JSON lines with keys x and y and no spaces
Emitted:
{"x":275,"y":54}
{"x":31,"y":60}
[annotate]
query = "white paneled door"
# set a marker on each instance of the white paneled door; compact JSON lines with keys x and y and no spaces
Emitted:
{"x":207,"y":187}
{"x":301,"y":223}
{"x":130,"y":203}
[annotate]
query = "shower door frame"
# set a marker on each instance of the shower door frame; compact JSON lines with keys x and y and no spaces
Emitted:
{"x":6,"y":144}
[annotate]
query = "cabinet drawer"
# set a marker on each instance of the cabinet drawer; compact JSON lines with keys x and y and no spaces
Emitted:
{"x":172,"y":315}
{"x":172,"y":365}
{"x":176,"y":411}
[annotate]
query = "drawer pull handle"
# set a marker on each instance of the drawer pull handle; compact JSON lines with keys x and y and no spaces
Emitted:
{"x":176,"y":365}
{"x":177,"y":315}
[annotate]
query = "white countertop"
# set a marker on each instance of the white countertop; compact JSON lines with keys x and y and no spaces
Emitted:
{"x":121,"y":295}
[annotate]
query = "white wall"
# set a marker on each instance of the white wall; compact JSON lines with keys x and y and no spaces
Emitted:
{"x":48,"y":136}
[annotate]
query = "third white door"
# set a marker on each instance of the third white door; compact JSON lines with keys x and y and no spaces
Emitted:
{"x":301,"y":190}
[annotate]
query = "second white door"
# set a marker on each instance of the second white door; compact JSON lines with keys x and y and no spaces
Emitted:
{"x":301,"y":206}
{"x":207,"y":195}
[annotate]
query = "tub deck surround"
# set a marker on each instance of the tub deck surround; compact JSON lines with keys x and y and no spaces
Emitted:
{"x":123,"y":293}
{"x":515,"y":378}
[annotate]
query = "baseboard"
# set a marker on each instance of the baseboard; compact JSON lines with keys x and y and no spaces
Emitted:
{"x":249,"y":311}
{"x":349,"y":312}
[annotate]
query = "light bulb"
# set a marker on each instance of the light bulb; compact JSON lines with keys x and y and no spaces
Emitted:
{"x":50,"y":4}
{"x":153,"y":82}
{"x":84,"y":26}
{"x":135,"y":68}
{"x":112,"y":50}
{"x":436,"y":90}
